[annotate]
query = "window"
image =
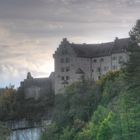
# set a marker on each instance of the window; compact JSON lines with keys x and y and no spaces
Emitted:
{"x":67,"y":77}
{"x":95,"y":60}
{"x":120,"y":58}
{"x":114,"y":58}
{"x":98,"y":69}
{"x":64,"y":51}
{"x":62,"y":60}
{"x":62,"y":69}
{"x":105,"y":68}
{"x":62,"y":78}
{"x":67,"y":69}
{"x":101,"y":60}
{"x":114,"y":67}
{"x":67,"y":60}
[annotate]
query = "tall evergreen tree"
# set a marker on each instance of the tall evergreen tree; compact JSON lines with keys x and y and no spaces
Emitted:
{"x":132,"y":75}
{"x":133,"y":66}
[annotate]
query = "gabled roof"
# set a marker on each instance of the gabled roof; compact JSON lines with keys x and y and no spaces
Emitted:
{"x":79,"y":71}
{"x":98,"y":50}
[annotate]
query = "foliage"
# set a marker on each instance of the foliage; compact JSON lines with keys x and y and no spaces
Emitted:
{"x":77,"y":103}
{"x":7,"y":103}
{"x":13,"y":106}
{"x":4,"y":132}
{"x":132,"y":74}
{"x":110,"y":76}
{"x":67,"y":134}
{"x":52,"y":133}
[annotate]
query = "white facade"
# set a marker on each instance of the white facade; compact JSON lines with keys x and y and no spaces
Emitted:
{"x":73,"y":61}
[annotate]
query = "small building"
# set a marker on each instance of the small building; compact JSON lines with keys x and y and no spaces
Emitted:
{"x":37,"y":87}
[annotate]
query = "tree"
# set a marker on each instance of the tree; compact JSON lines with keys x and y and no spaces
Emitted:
{"x":7,"y":103}
{"x":129,"y":106}
{"x":131,"y":99}
{"x":105,"y":132}
{"x":4,"y":132}
{"x":97,"y":127}
{"x":132,"y":71}
{"x":68,"y":134}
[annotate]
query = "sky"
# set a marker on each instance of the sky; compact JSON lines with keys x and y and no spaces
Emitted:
{"x":31,"y":30}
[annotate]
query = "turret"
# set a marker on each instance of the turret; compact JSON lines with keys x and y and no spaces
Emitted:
{"x":64,"y":41}
{"x":29,"y":76}
{"x":116,"y":40}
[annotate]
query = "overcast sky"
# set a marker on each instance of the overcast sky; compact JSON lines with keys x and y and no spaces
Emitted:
{"x":31,"y":30}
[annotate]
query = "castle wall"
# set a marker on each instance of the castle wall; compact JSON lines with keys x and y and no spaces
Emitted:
{"x":100,"y":66}
{"x":93,"y":67}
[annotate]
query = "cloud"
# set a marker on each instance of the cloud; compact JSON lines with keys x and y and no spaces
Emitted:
{"x":31,"y":30}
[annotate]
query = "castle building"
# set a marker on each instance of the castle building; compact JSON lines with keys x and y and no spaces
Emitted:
{"x":74,"y":62}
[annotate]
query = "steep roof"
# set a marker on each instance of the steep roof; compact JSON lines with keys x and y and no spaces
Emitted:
{"x":98,"y":50}
{"x":79,"y":71}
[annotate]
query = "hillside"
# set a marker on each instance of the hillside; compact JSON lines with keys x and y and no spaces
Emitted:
{"x":106,"y":110}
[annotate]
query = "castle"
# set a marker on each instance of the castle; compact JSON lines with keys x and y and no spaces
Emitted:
{"x":74,"y":62}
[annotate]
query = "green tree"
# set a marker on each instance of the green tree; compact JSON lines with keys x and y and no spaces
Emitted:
{"x":105,"y":131}
{"x":131,"y":99}
{"x":132,"y":73}
{"x":52,"y":133}
{"x":129,"y":114}
{"x":68,"y":134}
{"x":94,"y":128}
{"x":4,"y":132}
{"x":8,"y":104}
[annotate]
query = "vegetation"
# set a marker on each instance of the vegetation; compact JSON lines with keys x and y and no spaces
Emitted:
{"x":105,"y":110}
{"x":13,"y":106}
{"x":4,"y":132}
